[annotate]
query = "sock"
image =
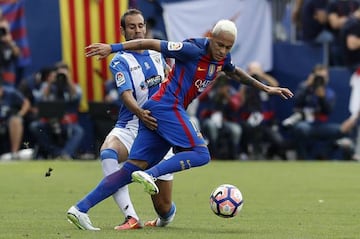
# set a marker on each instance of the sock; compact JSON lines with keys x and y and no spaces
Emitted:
{"x":108,"y":186}
{"x":109,"y":163}
{"x":167,"y":218}
{"x":170,"y":215}
{"x":198,"y":156}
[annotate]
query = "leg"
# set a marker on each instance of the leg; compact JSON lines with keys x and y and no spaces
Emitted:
{"x":114,"y":150}
{"x":75,"y":135}
{"x":356,"y":156}
{"x":163,"y":204}
{"x":16,"y":130}
{"x":41,"y":132}
{"x":301,"y":132}
{"x":235,"y":132}
{"x":108,"y":186}
{"x":211,"y":132}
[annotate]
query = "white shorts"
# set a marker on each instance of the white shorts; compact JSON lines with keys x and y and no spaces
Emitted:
{"x":127,"y":137}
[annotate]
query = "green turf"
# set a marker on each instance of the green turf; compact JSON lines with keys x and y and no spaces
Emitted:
{"x":292,"y":200}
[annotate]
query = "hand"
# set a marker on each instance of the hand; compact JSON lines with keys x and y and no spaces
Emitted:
{"x":320,"y":91}
{"x":98,"y":49}
{"x":148,"y":120}
{"x":283,"y":92}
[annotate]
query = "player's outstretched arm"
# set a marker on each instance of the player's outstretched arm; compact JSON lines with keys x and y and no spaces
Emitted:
{"x":98,"y":49}
{"x":245,"y":78}
{"x":103,"y":50}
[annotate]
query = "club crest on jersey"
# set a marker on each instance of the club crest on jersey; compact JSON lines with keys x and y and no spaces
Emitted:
{"x":143,"y":85}
{"x":211,"y":69}
{"x":174,"y":46}
{"x":119,"y":79}
{"x":157,"y":59}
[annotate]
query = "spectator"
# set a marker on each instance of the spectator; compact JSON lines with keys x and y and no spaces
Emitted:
{"x":59,"y":137}
{"x":152,"y":32}
{"x":354,"y":107}
{"x":338,"y":13}
{"x":8,"y":54}
{"x":13,"y":107}
{"x":314,"y":102}
{"x":221,"y":103}
{"x":14,"y":12}
{"x":350,"y":41}
{"x":310,"y":17}
{"x":30,"y":88}
{"x":258,"y":118}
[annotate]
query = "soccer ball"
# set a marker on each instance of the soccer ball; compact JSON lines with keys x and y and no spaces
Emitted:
{"x":226,"y":201}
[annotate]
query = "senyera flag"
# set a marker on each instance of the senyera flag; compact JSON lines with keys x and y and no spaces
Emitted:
{"x":82,"y":23}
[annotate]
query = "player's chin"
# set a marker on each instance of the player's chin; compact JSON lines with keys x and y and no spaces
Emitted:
{"x":218,"y":57}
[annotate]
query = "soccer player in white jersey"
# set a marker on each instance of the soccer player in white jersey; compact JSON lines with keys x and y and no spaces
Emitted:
{"x":137,"y":75}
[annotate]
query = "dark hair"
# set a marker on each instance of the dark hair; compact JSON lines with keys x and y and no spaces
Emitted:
{"x":129,"y":12}
{"x":319,"y":67}
{"x":62,"y":65}
{"x":45,"y":72}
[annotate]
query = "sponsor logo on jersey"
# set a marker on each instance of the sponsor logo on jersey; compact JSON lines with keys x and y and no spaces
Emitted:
{"x":119,"y":79}
{"x":201,"y":84}
{"x":174,"y":46}
{"x":134,"y":68}
{"x":153,"y":81}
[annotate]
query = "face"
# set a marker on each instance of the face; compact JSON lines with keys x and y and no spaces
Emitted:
{"x":220,"y":45}
{"x":135,"y":27}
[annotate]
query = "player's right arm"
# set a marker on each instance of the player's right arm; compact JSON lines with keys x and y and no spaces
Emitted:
{"x":121,"y":73}
{"x":144,"y":115}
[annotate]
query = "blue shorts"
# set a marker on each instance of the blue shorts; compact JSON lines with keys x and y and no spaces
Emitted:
{"x":174,"y":129}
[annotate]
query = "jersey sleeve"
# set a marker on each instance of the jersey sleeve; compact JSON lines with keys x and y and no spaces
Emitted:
{"x":181,"y":51}
{"x":121,"y":76}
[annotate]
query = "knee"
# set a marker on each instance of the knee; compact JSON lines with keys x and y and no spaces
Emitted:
{"x":108,"y":154}
{"x":203,"y":155}
{"x":142,"y":164}
{"x":78,"y":130}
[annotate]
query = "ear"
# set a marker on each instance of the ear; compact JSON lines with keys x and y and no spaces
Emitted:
{"x":122,"y":30}
{"x":208,"y":34}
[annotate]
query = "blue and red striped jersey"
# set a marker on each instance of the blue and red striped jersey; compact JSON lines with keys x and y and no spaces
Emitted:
{"x":193,"y":71}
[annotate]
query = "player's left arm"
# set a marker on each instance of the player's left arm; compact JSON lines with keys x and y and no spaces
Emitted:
{"x":103,"y":50}
{"x":244,"y":78}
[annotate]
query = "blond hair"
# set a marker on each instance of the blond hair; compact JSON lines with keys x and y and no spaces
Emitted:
{"x":224,"y":26}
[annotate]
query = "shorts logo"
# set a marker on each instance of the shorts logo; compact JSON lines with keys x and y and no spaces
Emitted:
{"x":174,"y":46}
{"x":119,"y":79}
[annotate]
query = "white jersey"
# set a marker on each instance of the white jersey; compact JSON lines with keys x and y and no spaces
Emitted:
{"x":146,"y":73}
{"x":140,"y":72}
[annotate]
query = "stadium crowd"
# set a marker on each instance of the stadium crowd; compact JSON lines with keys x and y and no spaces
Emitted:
{"x":237,"y":122}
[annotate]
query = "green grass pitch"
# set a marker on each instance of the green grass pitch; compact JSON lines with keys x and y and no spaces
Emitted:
{"x":283,"y":200}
